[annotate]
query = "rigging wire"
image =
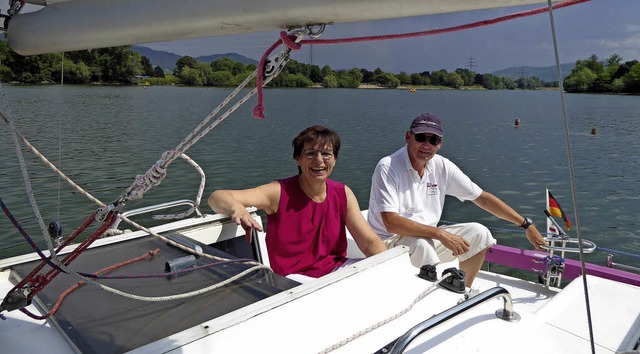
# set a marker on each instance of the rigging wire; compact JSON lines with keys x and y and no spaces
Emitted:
{"x":153,"y":176}
{"x":571,"y":175}
{"x":60,"y":102}
{"x":142,"y":184}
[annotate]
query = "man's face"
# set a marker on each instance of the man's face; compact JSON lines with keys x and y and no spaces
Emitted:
{"x":422,"y":146}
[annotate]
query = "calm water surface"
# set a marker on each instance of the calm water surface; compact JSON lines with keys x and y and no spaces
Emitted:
{"x":103,"y":136}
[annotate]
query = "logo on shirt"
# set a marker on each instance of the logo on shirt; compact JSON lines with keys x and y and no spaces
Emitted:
{"x":432,"y":189}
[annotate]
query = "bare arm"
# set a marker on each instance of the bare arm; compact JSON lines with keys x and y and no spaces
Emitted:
{"x":234,"y":202}
{"x":366,"y":239}
{"x":497,"y":207}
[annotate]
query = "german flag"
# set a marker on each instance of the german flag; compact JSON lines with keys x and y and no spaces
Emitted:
{"x":556,"y":210}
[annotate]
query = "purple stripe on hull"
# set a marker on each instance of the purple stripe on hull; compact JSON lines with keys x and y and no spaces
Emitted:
{"x":534,"y":261}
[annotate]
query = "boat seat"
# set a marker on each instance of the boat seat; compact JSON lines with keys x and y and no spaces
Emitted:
{"x":352,"y":250}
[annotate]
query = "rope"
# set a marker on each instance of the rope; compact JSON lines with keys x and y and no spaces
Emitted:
{"x":141,"y":184}
{"x":444,"y":30}
{"x":166,"y":274}
{"x":598,"y":248}
{"x":388,"y":319}
{"x":80,"y":283}
{"x":198,"y":195}
{"x":604,"y":249}
{"x":258,"y":110}
{"x":40,"y":281}
{"x":25,"y":174}
{"x":571,"y":176}
{"x":24,"y":234}
{"x":47,"y":162}
{"x":157,"y":172}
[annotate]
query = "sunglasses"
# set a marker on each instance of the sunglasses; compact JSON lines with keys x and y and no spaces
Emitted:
{"x":422,"y":137}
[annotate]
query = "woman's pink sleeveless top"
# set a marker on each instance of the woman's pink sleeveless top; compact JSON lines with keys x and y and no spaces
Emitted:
{"x":305,"y":237}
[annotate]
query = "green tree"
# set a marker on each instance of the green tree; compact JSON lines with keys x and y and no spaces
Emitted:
{"x":387,"y":80}
{"x":580,"y":80}
{"x":367,"y":76}
{"x":191,"y":76}
{"x":315,"y":74}
{"x":509,"y":84}
{"x":632,"y":79}
{"x":227,"y":64}
{"x":453,"y":80}
{"x":76,"y":73}
{"x":350,"y":79}
{"x":466,"y":75}
{"x":439,"y":77}
{"x":158,"y":72}
{"x":330,"y":81}
{"x":184,"y":62}
{"x":147,"y":68}
{"x":222,"y":78}
{"x":326,"y":70}
{"x":404,"y":78}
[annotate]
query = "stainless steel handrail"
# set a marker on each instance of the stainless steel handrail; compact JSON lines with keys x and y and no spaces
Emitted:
{"x":506,"y":313}
{"x":587,"y":246}
{"x":154,"y":208}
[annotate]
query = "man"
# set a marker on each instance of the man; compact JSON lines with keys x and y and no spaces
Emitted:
{"x":408,"y":190}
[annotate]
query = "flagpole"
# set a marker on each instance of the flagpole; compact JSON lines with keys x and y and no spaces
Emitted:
{"x":550,"y":219}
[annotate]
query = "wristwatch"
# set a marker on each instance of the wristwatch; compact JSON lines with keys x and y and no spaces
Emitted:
{"x":526,"y":223}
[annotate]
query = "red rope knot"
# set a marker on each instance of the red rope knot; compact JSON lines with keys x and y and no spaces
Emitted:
{"x":258,"y":110}
{"x":289,"y":41}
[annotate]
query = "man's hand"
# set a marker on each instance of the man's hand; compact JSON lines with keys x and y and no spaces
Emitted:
{"x":535,"y":238}
{"x":455,"y":243}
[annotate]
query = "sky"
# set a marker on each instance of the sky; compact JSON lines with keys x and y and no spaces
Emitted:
{"x":600,"y":27}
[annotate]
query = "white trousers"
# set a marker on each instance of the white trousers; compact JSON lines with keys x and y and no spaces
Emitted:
{"x":429,"y":251}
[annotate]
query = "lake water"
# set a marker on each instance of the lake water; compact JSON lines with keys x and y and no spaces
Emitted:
{"x":103,"y":136}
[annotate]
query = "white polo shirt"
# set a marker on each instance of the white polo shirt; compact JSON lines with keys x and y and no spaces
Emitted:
{"x":397,"y":187}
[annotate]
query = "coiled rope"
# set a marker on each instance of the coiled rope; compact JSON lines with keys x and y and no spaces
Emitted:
{"x":388,"y":319}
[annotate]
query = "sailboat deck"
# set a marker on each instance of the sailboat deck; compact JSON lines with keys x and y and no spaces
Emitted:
{"x":101,"y":322}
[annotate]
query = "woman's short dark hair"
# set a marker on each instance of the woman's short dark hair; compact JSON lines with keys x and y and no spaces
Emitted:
{"x":317,"y":135}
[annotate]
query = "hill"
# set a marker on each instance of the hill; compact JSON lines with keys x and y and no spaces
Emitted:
{"x":167,"y":60}
{"x":547,"y":74}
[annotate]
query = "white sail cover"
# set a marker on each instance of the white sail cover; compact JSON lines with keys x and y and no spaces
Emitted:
{"x":66,"y":25}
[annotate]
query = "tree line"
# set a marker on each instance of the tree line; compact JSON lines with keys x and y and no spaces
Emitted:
{"x":611,"y":75}
{"x":123,"y":66}
{"x":227,"y":72}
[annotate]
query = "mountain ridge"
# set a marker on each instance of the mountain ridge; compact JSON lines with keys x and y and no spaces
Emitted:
{"x":546,"y":73}
{"x":167,"y":61}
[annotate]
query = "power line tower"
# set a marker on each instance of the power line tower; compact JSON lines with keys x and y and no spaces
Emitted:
{"x":471,"y":62}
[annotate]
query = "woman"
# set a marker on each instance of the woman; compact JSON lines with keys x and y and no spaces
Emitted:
{"x":307,"y":213}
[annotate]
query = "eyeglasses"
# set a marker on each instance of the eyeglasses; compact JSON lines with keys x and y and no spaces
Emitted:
{"x":311,"y":154}
{"x":422,"y":137}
